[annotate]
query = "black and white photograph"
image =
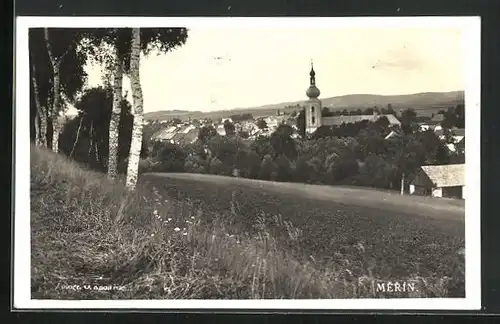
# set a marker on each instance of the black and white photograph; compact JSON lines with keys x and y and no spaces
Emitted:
{"x":248,"y":163}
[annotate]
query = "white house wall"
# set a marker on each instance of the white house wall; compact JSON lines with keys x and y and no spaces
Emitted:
{"x":437,"y":192}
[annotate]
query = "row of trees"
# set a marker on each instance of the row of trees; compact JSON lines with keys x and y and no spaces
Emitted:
{"x":357,"y":154}
{"x":368,"y":111}
{"x":57,"y":60}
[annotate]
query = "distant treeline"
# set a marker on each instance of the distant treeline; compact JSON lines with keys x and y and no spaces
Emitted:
{"x":241,"y":117}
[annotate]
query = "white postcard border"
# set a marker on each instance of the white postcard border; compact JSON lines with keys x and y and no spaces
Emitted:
{"x":22,"y":243}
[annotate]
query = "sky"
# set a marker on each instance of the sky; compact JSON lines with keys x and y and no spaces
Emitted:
{"x":271,"y":65}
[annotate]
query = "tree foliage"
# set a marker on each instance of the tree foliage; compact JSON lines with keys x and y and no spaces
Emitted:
{"x":85,"y":138}
{"x":301,"y":122}
{"x":100,"y":43}
{"x":64,"y":41}
{"x":261,"y":123}
{"x":229,"y":128}
{"x":206,"y":133}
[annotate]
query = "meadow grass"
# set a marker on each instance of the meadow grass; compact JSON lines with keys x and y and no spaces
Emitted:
{"x":89,"y":232}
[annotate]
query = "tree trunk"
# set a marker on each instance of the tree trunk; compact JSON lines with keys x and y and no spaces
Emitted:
{"x":135,"y":84}
{"x":115,"y":118}
{"x":77,"y":136}
{"x":55,"y":135}
{"x":91,"y":137}
{"x":56,"y":88}
{"x":402,"y":184}
{"x":56,"y":109}
{"x":41,"y":112}
{"x":37,"y":128}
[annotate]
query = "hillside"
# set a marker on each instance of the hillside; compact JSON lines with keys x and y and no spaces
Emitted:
{"x":213,"y":239}
{"x":425,"y":102}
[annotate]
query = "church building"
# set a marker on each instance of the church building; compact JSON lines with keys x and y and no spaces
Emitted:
{"x":313,"y":111}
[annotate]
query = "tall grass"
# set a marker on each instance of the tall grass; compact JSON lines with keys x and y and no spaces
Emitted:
{"x":91,"y":239}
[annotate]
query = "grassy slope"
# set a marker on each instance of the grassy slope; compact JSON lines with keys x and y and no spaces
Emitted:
{"x":424,"y":103}
{"x":363,"y":230}
{"x":88,"y":231}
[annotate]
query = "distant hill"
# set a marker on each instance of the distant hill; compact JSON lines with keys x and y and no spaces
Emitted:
{"x":424,"y":103}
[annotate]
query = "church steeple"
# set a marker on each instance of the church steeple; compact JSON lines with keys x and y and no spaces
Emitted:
{"x":312,"y":74}
{"x":312,"y":92}
{"x":313,"y":117}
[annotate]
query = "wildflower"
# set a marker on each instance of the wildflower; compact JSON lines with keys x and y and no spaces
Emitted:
{"x":177,"y":229}
{"x":184,"y":233}
{"x":169,"y":219}
{"x":192,"y":217}
{"x":155,"y":212}
{"x":152,"y":234}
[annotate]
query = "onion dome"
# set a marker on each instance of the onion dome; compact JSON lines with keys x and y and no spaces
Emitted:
{"x":312,"y":92}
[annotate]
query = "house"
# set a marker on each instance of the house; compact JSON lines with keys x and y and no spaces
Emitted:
{"x":440,"y":181}
{"x":185,"y":138}
{"x":165,"y":134}
{"x":221,"y":130}
{"x":249,"y":127}
{"x":185,"y":134}
{"x":457,"y":134}
{"x":434,"y":123}
{"x":456,"y":140}
{"x":271,"y":121}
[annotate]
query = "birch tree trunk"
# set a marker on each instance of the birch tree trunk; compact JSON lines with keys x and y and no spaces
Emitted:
{"x":56,"y":108}
{"x":135,"y":84}
{"x":41,"y":112}
{"x":56,"y":89}
{"x":37,"y":128}
{"x":115,"y":118}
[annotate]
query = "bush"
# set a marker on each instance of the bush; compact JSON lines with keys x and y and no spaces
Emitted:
{"x":267,"y":168}
{"x":170,"y":158}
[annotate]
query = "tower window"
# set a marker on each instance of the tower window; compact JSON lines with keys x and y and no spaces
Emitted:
{"x":312,"y":119}
{"x":312,"y":109}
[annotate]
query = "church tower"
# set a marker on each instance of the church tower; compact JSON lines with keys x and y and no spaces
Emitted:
{"x":313,"y":105}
